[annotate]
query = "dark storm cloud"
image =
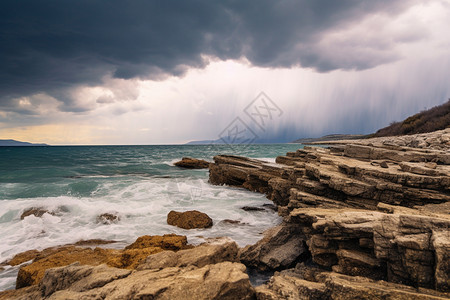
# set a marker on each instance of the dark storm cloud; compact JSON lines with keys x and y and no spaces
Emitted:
{"x":51,"y":46}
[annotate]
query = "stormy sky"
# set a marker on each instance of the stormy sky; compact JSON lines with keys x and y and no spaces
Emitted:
{"x":158,"y":72}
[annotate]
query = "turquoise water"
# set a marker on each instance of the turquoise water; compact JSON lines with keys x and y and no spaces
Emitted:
{"x":139,"y":184}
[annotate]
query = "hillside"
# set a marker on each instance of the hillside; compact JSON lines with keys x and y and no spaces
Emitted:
{"x":17,"y":143}
{"x":436,"y":118}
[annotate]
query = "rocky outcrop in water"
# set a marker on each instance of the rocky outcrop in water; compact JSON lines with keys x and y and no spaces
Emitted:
{"x":368,"y":209}
{"x":192,"y":163}
{"x":107,"y":218}
{"x":35,"y":211}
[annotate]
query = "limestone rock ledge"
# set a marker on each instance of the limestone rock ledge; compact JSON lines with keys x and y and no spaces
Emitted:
{"x":373,"y":209}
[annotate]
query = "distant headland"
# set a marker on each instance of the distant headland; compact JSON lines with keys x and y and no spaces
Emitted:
{"x":18,"y":143}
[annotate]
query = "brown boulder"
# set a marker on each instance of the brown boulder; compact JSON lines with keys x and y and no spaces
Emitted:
{"x":192,"y":163}
{"x":93,"y":242}
{"x":107,"y":218}
{"x":166,"y":242}
{"x":22,"y":257}
{"x":36,"y":211}
{"x":189,"y":219}
{"x":252,"y":208}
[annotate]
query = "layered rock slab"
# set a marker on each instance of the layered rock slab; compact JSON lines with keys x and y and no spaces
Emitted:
{"x":374,"y":209}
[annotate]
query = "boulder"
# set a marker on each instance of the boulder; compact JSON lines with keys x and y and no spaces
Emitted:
{"x":192,"y":163}
{"x":252,"y":208}
{"x":167,"y":242}
{"x":189,"y":219}
{"x":35,"y":211}
{"x":107,"y":218}
{"x":232,"y":222}
{"x":93,"y":242}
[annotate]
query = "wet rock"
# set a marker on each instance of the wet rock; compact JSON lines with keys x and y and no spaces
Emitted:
{"x":189,"y":219}
{"x":234,"y":222}
{"x":93,"y":242}
{"x":192,"y":163}
{"x":23,"y":257}
{"x":107,"y":218}
{"x":280,"y":247}
{"x":252,"y":208}
{"x":167,"y":242}
{"x":35,"y":211}
{"x":270,"y":206}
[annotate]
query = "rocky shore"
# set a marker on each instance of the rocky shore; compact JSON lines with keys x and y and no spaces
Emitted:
{"x":362,"y":219}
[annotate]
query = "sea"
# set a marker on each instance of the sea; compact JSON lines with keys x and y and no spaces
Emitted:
{"x":139,"y":184}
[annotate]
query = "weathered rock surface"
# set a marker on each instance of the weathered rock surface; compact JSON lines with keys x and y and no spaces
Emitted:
{"x":128,"y":258}
{"x":372,"y":208}
{"x":167,"y":242}
{"x":252,"y":208}
{"x":225,"y":280}
{"x":394,"y":247}
{"x":217,"y":251}
{"x":326,"y":285}
{"x":209,"y":271}
{"x":189,"y":219}
{"x":280,"y":248}
{"x":192,"y":163}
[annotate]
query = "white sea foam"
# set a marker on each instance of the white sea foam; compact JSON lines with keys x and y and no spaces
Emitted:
{"x":267,"y":159}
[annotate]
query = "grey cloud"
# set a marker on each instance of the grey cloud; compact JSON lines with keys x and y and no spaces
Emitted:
{"x":52,"y":46}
